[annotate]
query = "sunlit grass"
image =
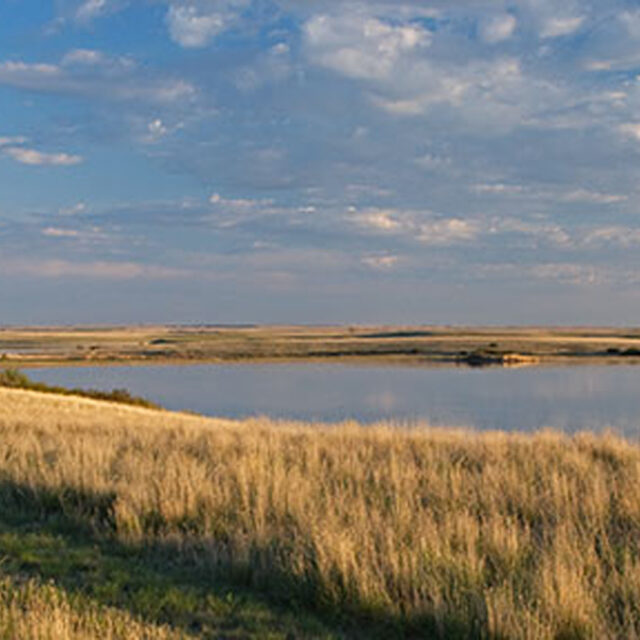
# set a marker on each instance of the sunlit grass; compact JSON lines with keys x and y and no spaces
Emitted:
{"x":424,"y":533}
{"x":16,"y":379}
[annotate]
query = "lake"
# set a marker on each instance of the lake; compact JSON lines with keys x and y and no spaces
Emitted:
{"x":567,"y":398}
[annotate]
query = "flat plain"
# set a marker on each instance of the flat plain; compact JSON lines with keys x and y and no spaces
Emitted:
{"x":426,"y":345}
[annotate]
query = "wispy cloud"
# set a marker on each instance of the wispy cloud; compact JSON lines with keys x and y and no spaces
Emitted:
{"x":12,"y":140}
{"x":556,"y":27}
{"x":421,"y":226}
{"x":477,"y":133}
{"x":631,"y":130}
{"x":57,"y":232}
{"x":74,"y":210}
{"x":381,"y":263}
{"x":34,"y":157}
{"x":499,"y":188}
{"x":595,"y":197}
{"x":621,"y":236}
{"x":110,"y":79}
{"x":498,"y":28}
{"x":90,"y":270}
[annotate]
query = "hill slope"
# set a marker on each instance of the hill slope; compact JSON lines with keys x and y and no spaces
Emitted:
{"x":217,"y":528}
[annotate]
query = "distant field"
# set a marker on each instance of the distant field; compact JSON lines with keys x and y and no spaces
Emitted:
{"x":124,"y":522}
{"x":411,"y":345}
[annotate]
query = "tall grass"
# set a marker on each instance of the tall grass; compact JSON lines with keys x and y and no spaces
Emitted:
{"x":42,"y":612}
{"x":424,"y":533}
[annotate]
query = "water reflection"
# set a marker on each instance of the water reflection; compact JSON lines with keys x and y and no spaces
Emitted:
{"x":569,"y":398}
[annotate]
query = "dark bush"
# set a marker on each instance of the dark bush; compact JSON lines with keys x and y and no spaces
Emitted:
{"x":15,"y":379}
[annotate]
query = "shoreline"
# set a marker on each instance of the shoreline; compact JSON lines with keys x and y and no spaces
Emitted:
{"x":422,"y":346}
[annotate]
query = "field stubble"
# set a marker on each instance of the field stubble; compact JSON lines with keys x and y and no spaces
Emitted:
{"x":422,"y":533}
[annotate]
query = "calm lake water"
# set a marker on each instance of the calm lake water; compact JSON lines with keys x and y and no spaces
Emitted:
{"x":568,"y":398}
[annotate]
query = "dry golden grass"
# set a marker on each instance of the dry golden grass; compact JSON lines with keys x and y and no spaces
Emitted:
{"x":33,"y":611}
{"x":428,"y":533}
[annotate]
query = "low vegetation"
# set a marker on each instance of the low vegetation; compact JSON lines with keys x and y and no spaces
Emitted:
{"x":185,"y":524}
{"x":452,"y":346}
{"x":15,"y":379}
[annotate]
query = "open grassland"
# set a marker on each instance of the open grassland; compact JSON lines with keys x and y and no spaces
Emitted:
{"x":419,"y":345}
{"x":123,"y":522}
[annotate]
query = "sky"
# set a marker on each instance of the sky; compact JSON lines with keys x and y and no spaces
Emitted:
{"x":290,"y":161}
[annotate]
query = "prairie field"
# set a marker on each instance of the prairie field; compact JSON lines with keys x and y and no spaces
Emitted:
{"x":124,"y":522}
{"x":410,"y":345}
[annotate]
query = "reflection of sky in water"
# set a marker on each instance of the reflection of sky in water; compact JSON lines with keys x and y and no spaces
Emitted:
{"x":384,"y":401}
{"x":570,"y":398}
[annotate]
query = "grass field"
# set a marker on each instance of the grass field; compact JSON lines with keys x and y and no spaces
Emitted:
{"x":409,"y":345}
{"x":124,"y":522}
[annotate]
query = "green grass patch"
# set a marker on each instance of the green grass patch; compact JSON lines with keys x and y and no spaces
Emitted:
{"x":156,"y":585}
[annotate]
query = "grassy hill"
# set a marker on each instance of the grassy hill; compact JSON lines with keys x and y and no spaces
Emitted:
{"x":124,"y":522}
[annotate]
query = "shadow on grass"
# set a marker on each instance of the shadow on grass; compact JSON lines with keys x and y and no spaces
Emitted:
{"x":69,"y":537}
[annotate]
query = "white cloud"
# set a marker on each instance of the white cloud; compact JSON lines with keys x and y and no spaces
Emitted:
{"x":12,"y":140}
{"x":271,"y":66}
{"x":625,"y":61}
{"x":614,"y":235}
{"x":156,"y":130}
{"x":90,"y":9}
{"x":361,"y":46}
{"x":88,"y":235}
{"x":499,"y":28}
{"x":359,"y":190}
{"x":413,"y":71}
{"x":499,"y":188}
{"x":280,"y":49}
{"x":381,"y":263}
{"x":486,"y":94}
{"x":379,"y":220}
{"x":447,"y":231}
{"x":73,"y":210}
{"x":577,"y":274}
{"x":535,"y":232}
{"x":112,"y":79}
{"x":595,"y":197}
{"x":12,"y":146}
{"x":39,"y":158}
{"x":57,"y":232}
{"x":599,"y":65}
{"x":433,"y":162}
{"x":569,"y":273}
{"x":556,"y":27}
{"x":237,"y":203}
{"x":188,"y":28}
{"x":82,"y":57}
{"x":630,"y":129}
{"x":423,"y":226}
{"x":631,"y":20}
{"x":91,"y":270}
{"x":195,"y":24}
{"x":25,"y":70}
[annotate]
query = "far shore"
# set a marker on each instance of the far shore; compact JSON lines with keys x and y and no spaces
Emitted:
{"x":433,"y":346}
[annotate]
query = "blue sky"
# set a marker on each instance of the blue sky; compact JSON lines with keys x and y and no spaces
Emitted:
{"x":319,"y":162}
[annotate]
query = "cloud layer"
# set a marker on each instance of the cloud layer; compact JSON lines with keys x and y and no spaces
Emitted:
{"x":341,"y":160}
